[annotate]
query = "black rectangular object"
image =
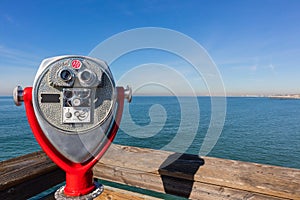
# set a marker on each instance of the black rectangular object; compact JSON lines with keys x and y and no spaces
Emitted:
{"x":50,"y":98}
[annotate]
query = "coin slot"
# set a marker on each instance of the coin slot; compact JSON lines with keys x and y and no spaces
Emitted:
{"x":50,"y":98}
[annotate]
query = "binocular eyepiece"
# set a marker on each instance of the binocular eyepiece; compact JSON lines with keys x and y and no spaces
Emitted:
{"x":66,"y":75}
{"x":86,"y":78}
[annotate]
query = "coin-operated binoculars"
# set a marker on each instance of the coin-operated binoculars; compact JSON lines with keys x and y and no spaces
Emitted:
{"x":74,"y":110}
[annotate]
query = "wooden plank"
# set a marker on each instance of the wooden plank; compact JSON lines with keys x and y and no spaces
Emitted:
{"x":111,"y":193}
{"x":175,"y":186}
{"x":265,"y":179}
{"x":184,"y":175}
{"x":24,"y":168}
{"x":146,"y":168}
{"x":28,"y":175}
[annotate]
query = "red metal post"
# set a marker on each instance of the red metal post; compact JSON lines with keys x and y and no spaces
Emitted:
{"x":79,"y":176}
{"x":80,"y":183}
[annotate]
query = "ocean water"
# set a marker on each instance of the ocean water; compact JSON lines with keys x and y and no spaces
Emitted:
{"x":260,"y":130}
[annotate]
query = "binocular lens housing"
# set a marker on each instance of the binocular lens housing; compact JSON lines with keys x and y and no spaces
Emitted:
{"x":66,"y":75}
{"x":86,"y":75}
{"x":87,"y":78}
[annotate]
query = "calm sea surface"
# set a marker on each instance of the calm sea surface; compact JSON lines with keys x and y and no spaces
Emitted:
{"x":258,"y":130}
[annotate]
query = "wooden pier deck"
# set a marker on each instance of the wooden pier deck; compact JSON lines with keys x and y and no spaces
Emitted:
{"x":185,"y":175}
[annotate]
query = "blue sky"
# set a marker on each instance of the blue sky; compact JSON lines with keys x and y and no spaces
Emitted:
{"x":255,"y":44}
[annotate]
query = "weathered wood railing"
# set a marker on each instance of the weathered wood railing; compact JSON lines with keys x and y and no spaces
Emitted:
{"x":183,"y":175}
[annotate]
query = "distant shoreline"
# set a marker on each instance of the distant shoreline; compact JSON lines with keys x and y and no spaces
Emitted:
{"x":285,"y":96}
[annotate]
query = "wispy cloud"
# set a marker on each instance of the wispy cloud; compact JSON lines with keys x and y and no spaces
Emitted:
{"x":8,"y":19}
{"x":17,"y":58}
{"x":271,"y":67}
{"x":252,"y":68}
{"x":253,"y":64}
{"x":18,"y":67}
